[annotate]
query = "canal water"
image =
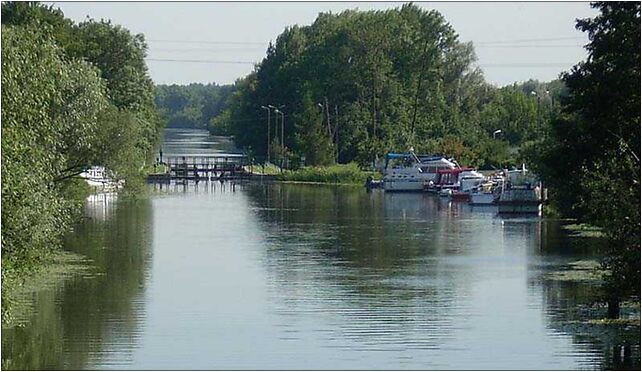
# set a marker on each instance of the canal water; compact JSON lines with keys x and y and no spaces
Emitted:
{"x":282,"y":276}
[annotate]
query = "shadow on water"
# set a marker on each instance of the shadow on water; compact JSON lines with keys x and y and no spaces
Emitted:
{"x":72,"y":326}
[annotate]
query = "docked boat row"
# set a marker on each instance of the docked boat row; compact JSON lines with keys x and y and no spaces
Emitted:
{"x":513,"y":191}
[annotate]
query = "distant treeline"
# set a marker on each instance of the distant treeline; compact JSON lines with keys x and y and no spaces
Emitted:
{"x":193,"y":105}
{"x":73,"y":96}
{"x":356,"y":85}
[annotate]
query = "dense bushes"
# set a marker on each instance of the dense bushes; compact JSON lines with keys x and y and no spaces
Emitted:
{"x":50,"y":110}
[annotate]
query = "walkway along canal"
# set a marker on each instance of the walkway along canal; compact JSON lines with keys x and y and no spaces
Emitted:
{"x":224,"y":275}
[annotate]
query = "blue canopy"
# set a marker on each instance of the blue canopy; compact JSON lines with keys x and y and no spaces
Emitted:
{"x":396,"y":156}
{"x":408,"y":155}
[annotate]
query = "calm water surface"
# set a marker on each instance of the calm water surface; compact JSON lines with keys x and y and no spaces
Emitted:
{"x":259,"y":276}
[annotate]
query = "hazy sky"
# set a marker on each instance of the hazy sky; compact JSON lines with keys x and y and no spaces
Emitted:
{"x":514,"y":41}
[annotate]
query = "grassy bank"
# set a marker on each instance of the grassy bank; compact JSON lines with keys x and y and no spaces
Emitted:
{"x":335,"y":174}
{"x":584,"y":230}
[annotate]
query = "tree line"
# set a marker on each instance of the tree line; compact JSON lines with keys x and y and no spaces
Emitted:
{"x":355,"y":85}
{"x":191,"y":106}
{"x":73,"y":96}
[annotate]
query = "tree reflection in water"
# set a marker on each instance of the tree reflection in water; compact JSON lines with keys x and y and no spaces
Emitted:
{"x":572,"y":306}
{"x":75,"y":324}
{"x":399,"y":269}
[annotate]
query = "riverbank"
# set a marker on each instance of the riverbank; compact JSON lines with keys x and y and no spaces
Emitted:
{"x":346,"y":174}
{"x":584,"y":230}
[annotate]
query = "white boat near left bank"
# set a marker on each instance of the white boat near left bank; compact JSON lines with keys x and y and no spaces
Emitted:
{"x":102,"y":178}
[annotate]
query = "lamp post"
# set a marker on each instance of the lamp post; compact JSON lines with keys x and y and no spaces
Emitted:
{"x":495,"y":133}
{"x":550,"y":94}
{"x":277,"y":111}
{"x":534,"y":93}
{"x":268,"y":131}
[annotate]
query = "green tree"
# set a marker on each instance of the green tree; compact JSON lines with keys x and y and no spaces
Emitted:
{"x":50,"y":108}
{"x":592,"y":161}
{"x":193,"y":105}
{"x":314,"y":138}
{"x":119,"y":58}
{"x":387,"y":80}
{"x":73,"y":96}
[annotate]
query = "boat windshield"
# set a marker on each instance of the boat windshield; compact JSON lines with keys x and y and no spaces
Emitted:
{"x":400,"y":162}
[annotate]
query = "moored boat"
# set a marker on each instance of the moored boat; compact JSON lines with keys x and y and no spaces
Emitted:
{"x":521,"y":193}
{"x":411,"y":172}
{"x":99,"y":177}
{"x":458,"y":195}
{"x":487,"y":192}
{"x":458,"y":182}
{"x":482,"y":198}
{"x":470,"y":179}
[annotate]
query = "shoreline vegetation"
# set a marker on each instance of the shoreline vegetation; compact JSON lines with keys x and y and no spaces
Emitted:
{"x":74,"y":95}
{"x":339,"y":174}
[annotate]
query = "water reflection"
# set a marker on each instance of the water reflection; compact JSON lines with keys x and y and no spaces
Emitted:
{"x":275,"y":276}
{"x":569,"y":305}
{"x":195,"y":142}
{"x":101,"y":206}
{"x":74,"y":325}
{"x":402,"y":272}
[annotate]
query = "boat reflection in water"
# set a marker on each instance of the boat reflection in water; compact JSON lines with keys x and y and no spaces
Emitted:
{"x":101,"y":205}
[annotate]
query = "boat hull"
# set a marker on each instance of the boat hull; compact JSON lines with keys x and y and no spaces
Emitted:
{"x":460,"y":196}
{"x":412,"y":185}
{"x":523,"y":200}
{"x":482,"y":199}
{"x":520,"y":207}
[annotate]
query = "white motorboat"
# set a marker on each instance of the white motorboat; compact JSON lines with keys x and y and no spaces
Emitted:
{"x":487,"y":192}
{"x":411,"y":172}
{"x":99,"y":177}
{"x":482,"y":198}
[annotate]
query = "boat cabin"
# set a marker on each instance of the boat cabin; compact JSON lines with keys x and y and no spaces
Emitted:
{"x":411,"y":172}
{"x":449,"y":178}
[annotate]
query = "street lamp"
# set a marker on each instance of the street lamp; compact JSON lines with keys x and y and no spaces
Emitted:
{"x":549,"y":93}
{"x":495,"y":133}
{"x":268,"y":131}
{"x":533,"y":93}
{"x":277,"y":111}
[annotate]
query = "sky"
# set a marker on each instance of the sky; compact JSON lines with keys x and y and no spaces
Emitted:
{"x":219,"y":42}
